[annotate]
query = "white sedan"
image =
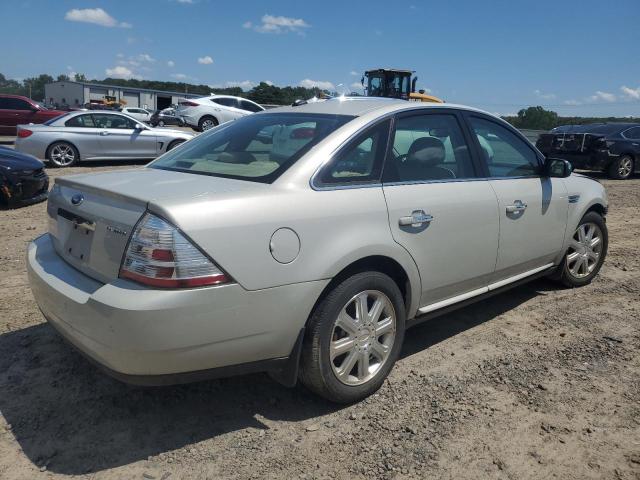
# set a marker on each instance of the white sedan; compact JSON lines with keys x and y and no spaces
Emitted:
{"x":207,"y":112}
{"x":139,"y":114}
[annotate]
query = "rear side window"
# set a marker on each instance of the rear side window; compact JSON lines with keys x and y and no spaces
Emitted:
{"x":360,"y":162}
{"x":113,"y":121}
{"x":428,"y":147}
{"x":227,"y":102}
{"x":505,"y":154}
{"x":255,"y":147}
{"x":81,"y":121}
{"x":249,"y":106}
{"x":14,"y":104}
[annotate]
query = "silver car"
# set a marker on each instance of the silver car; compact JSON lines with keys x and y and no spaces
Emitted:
{"x":95,"y":135}
{"x":304,"y":241}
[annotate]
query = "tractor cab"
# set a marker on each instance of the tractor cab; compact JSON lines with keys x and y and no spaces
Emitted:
{"x":394,"y":83}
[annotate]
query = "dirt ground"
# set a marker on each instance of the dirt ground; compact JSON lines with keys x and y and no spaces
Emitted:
{"x":539,"y":382}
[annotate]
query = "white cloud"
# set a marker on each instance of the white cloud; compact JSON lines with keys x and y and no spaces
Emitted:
{"x":268,"y":82}
{"x":278,"y":24}
{"x":322,"y":85}
{"x":602,"y":96}
{"x":179,"y":76}
{"x":185,"y":1}
{"x":171,"y":63}
{"x":145,"y":57}
{"x":631,"y":93}
{"x":206,"y":60}
{"x":120,"y":71}
{"x":354,"y":73}
{"x":572,"y":102}
{"x":120,"y":55}
{"x":96,"y":16}
{"x":544,"y":96}
{"x":356,"y":86}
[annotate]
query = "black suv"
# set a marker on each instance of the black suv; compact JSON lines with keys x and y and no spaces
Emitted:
{"x":613,"y":148}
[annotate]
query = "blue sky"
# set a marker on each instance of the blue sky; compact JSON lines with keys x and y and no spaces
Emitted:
{"x":574,"y":56}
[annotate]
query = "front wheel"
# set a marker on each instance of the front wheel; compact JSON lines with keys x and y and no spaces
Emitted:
{"x":62,"y":154}
{"x":586,"y":253}
{"x":621,"y":168}
{"x":174,"y":144}
{"x":354,"y":338}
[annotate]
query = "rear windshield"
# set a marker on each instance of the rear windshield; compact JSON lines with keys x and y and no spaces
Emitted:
{"x":256,"y":147}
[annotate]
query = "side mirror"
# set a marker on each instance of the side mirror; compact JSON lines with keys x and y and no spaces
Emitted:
{"x":557,"y":167}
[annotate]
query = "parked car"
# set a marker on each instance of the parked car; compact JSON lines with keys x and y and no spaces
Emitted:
{"x":221,"y":257}
{"x":16,"y":110}
{"x":139,"y":114}
{"x":95,"y":135}
{"x":613,"y":148}
{"x":207,"y":112}
{"x":168,"y":116}
{"x":23,"y":180}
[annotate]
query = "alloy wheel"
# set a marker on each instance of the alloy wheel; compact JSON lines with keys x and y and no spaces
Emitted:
{"x":584,"y":250}
{"x":62,"y":155}
{"x":624,"y":167}
{"x":362,"y":337}
{"x":207,"y":124}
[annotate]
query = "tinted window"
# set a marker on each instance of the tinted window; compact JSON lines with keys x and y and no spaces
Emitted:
{"x":428,"y":147}
{"x":4,"y":102}
{"x":81,"y":121}
{"x":14,"y":104}
{"x":505,"y":153}
{"x":249,"y":106}
{"x":633,"y":133}
{"x":227,"y":102}
{"x":255,"y":147}
{"x":113,"y":121}
{"x":361,"y":160}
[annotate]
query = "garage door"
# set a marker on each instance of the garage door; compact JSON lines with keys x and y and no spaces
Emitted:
{"x":97,"y":93}
{"x":132,"y":99}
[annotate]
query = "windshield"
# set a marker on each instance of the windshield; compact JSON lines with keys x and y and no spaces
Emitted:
{"x":256,"y":147}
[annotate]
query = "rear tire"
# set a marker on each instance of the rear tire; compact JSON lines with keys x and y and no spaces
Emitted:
{"x":206,"y":123}
{"x":62,"y":155}
{"x":621,"y":168}
{"x":174,"y":144}
{"x":347,"y":355}
{"x":585,"y":255}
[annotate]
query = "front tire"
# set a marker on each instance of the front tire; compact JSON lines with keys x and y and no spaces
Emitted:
{"x":174,"y":144}
{"x":621,"y":168}
{"x":586,"y":253}
{"x":62,"y":155}
{"x":353,"y":338}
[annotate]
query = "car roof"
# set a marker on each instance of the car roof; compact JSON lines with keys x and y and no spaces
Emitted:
{"x":358,"y":106}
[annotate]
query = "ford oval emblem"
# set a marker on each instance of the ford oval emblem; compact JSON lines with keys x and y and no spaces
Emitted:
{"x":77,"y":199}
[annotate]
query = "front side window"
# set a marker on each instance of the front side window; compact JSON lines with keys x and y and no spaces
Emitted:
{"x":17,"y":104}
{"x":632,"y":133}
{"x":505,"y":154}
{"x":428,"y":147}
{"x":360,"y":162}
{"x":113,"y":121}
{"x":84,"y":121}
{"x":256,"y":147}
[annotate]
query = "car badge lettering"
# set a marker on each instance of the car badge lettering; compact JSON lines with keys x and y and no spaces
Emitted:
{"x":116,"y":230}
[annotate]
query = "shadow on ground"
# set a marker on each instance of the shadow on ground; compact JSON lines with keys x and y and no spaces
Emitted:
{"x":65,"y":413}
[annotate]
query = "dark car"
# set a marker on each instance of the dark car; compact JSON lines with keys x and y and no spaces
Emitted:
{"x":613,"y":148}
{"x":16,"y":110}
{"x":168,"y":116}
{"x":23,"y":180}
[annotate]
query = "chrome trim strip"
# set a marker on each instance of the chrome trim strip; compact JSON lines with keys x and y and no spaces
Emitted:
{"x":480,"y":291}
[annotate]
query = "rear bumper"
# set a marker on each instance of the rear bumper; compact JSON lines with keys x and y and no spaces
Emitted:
{"x":151,"y":336}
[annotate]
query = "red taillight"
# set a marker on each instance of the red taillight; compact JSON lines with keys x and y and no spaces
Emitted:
{"x":188,"y":104}
{"x":24,"y":133}
{"x":159,"y":255}
{"x":303,"y":133}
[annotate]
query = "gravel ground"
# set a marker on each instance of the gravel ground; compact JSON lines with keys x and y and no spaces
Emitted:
{"x":539,"y":382}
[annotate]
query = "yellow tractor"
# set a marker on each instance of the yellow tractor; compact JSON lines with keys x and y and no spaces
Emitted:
{"x":394,"y":83}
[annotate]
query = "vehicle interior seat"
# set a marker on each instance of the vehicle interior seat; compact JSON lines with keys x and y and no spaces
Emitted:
{"x":423,"y":161}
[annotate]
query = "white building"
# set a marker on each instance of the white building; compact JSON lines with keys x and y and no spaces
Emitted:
{"x":76,"y":94}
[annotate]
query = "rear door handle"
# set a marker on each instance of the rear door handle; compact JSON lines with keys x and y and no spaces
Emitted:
{"x":104,"y":133}
{"x":518,"y":206}
{"x":417,"y":218}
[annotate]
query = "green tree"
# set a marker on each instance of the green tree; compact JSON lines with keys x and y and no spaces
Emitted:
{"x":80,"y":77}
{"x":34,"y":86}
{"x":536,"y":118}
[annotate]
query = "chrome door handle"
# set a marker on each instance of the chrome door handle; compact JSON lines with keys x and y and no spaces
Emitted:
{"x":417,"y":218}
{"x":518,"y":206}
{"x":104,"y":134}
